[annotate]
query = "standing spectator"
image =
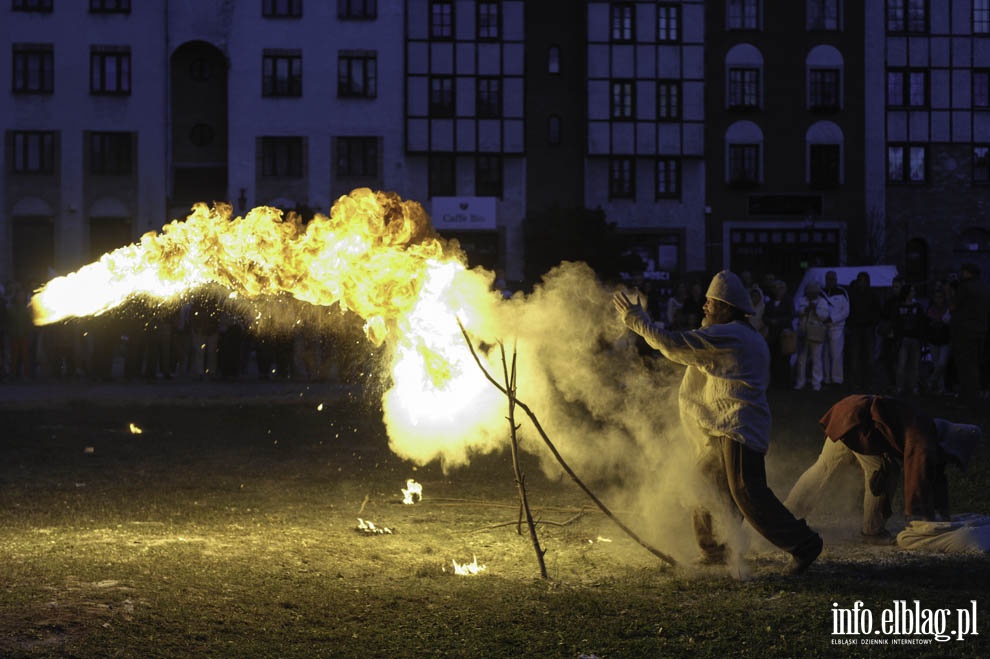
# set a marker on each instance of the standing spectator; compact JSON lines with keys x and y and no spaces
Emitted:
{"x":675,"y":307}
{"x":692,"y":308}
{"x":759,"y":308}
{"x":182,"y":338}
{"x":968,"y":329}
{"x":3,"y":332}
{"x":204,"y":325}
{"x":861,"y":331}
{"x":19,"y":331}
{"x":778,"y":315}
{"x":909,"y":327}
{"x":888,"y":342}
{"x":838,"y":311}
{"x":812,"y":312}
{"x":767,"y":282}
{"x":937,"y":338}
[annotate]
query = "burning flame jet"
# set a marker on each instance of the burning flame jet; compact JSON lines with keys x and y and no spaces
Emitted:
{"x":376,"y":255}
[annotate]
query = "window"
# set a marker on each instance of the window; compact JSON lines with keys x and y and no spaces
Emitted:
{"x":668,"y":178}
{"x":824,"y":165}
{"x":32,"y":5}
{"x":488,"y":104}
{"x":281,"y":8}
{"x":907,"y":16}
{"x":553,"y":129}
{"x":110,"y":154}
{"x":668,"y":100}
{"x":981,"y":164}
{"x":907,"y":163}
{"x":109,"y":6}
{"x":744,"y":89}
{"x":981,"y":16}
{"x":623,"y":99}
{"x":282,"y":157}
{"x":357,"y":74}
{"x":553,"y":60}
{"x":668,"y":22}
{"x":744,"y":164}
{"x":743,"y":14}
{"x":357,"y":9}
{"x":623,"y":19}
{"x":34,"y":69}
{"x":110,"y":70}
{"x":441,"y":19}
{"x":441,"y":97}
{"x":981,"y":88}
{"x":357,"y":156}
{"x":823,"y":90}
{"x":823,"y":15}
{"x":32,"y":152}
{"x":442,"y":181}
{"x":621,"y":178}
{"x":281,"y":72}
{"x":488,"y":176}
{"x":488,"y":19}
{"x":907,"y":88}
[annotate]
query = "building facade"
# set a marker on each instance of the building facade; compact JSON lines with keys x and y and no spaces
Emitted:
{"x":712,"y":133}
{"x":786,"y":134}
{"x":936,"y":114}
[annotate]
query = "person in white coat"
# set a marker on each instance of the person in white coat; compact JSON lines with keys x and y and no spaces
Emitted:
{"x":835,"y":338}
{"x":812,"y":314}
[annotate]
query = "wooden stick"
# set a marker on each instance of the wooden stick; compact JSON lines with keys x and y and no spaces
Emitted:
{"x":510,"y":386}
{"x":556,"y":454}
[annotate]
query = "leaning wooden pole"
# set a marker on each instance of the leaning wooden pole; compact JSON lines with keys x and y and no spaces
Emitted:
{"x":510,"y":388}
{"x":556,"y":454}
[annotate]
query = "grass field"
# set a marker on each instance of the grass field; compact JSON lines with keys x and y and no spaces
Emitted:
{"x":230,"y":529}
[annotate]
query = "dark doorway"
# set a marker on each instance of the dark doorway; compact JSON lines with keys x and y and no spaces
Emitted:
{"x":107,"y":234}
{"x":199,"y":124}
{"x":33,"y":242}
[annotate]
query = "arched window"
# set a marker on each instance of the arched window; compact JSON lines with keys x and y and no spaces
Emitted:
{"x":823,"y":70}
{"x":744,"y":154}
{"x":824,"y":155}
{"x":744,"y":77}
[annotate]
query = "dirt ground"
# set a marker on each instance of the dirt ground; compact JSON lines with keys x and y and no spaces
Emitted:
{"x":230,"y":526}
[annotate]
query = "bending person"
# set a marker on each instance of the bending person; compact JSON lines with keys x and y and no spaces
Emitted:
{"x":886,"y":435}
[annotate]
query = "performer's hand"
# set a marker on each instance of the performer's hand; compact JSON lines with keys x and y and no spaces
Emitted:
{"x":623,"y":304}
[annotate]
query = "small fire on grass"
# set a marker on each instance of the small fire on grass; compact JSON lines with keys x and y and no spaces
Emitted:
{"x":368,"y":527}
{"x":135,"y":430}
{"x":412,"y":492}
{"x":469,"y":569}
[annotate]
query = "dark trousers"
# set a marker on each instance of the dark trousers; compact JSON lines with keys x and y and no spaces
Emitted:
{"x":967,"y":352}
{"x":742,"y":475}
{"x":860,"y":358}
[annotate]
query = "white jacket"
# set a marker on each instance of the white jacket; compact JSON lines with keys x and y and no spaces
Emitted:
{"x":723,"y":392}
{"x":838,"y":305}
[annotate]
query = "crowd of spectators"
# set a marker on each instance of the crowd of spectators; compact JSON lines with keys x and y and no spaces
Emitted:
{"x":911,"y":338}
{"x":199,"y":338}
{"x":906,"y":339}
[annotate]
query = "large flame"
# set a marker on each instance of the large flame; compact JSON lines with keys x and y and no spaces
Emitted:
{"x":376,"y":255}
